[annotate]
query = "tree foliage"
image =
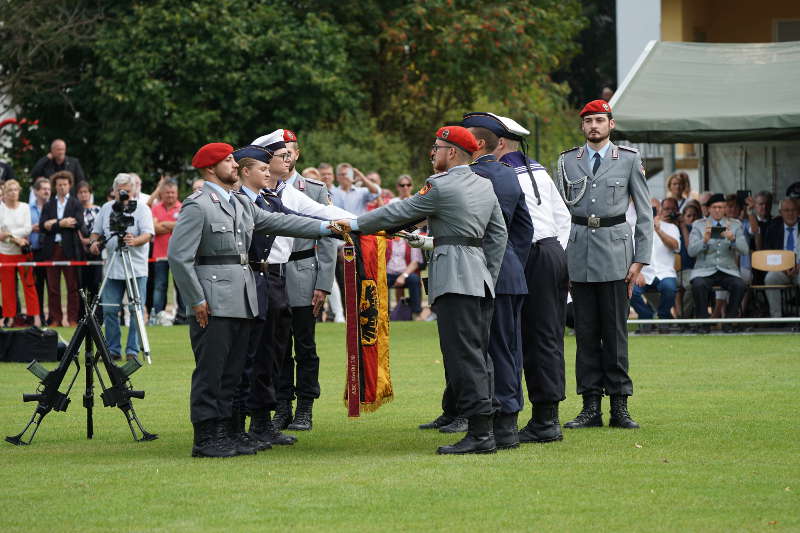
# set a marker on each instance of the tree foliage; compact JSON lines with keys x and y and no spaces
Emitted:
{"x":139,"y":86}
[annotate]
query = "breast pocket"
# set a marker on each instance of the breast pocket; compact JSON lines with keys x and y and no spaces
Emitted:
{"x":222,"y":233}
{"x":617,"y":191}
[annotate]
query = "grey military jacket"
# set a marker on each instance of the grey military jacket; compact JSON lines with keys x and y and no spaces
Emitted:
{"x":596,"y":254}
{"x":456,"y":203}
{"x":716,"y":254}
{"x":303,"y":276}
{"x":206,"y":227}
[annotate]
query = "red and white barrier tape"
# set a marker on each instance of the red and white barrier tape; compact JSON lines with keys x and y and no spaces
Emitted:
{"x":65,"y":263}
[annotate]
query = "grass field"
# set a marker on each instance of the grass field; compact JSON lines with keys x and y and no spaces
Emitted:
{"x":718,"y":451}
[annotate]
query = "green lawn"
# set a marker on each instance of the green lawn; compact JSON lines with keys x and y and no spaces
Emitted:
{"x":718,"y":451}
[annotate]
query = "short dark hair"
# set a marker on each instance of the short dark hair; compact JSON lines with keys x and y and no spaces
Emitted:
{"x":37,"y":184}
{"x":488,"y":137}
{"x":83,"y":184}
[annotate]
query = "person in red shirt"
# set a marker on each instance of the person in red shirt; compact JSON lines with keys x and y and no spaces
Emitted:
{"x":165,"y":213}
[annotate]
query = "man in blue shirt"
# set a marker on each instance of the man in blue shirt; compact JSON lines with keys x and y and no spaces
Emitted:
{"x":351,"y":197}
{"x":41,"y":195}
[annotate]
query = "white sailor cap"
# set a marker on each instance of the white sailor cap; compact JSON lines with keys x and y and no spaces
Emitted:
{"x":271,"y":141}
{"x":514,"y":127}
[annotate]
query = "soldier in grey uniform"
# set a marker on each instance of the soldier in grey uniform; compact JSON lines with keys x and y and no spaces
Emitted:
{"x":715,"y":259}
{"x":597,"y":180}
{"x":309,"y":277}
{"x":208,"y":258}
{"x":469,"y":243}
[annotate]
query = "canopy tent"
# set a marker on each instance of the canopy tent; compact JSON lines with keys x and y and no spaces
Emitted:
{"x":711,"y":93}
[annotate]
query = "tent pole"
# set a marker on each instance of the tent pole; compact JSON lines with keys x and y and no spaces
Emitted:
{"x":706,"y":177}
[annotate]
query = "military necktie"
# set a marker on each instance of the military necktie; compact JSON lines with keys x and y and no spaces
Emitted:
{"x":596,"y":163}
{"x":233,"y":204}
{"x":790,"y":239}
{"x":260,"y":202}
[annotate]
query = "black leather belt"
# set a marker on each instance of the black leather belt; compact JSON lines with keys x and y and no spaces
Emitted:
{"x":222,"y":260}
{"x":277,"y":269}
{"x":259,"y":266}
{"x":597,"y":222}
{"x":304,"y":254}
{"x":458,"y":241}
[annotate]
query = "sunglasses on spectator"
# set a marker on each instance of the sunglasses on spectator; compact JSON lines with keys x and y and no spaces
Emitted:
{"x":404,"y":185}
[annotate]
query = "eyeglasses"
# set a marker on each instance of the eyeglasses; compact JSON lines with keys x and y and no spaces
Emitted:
{"x":285,"y":156}
{"x":436,"y":147}
{"x":404,"y":185}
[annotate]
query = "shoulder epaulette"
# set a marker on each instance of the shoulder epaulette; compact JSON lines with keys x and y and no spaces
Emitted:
{"x":240,"y":193}
{"x":196,"y":194}
{"x":628,"y":148}
{"x":504,"y":163}
{"x":570,"y":150}
{"x":439,"y":175}
{"x":315,"y":182}
{"x":473,"y":163}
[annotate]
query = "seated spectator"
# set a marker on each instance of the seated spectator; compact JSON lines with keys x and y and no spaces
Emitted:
{"x":402,"y":270}
{"x":91,"y":276}
{"x":137,"y":236}
{"x":60,"y":224}
{"x":15,"y":227}
{"x":715,"y":258}
{"x":165,"y":213}
{"x":691,"y":213}
{"x":41,"y":193}
{"x":404,"y":186}
{"x":679,"y":188}
{"x":349,"y":196}
{"x":783,"y":236}
{"x":660,"y":274}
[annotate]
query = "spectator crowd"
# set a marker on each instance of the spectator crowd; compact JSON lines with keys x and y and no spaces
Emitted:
{"x":62,"y":222}
{"x":702,"y":260}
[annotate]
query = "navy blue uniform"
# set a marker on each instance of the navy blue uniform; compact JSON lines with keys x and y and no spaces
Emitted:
{"x":505,"y":337}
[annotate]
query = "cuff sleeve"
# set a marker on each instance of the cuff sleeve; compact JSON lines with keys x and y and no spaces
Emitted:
{"x":354,"y":224}
{"x":323,"y":229}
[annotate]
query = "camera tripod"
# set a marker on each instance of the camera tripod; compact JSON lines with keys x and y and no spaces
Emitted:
{"x":119,"y":391}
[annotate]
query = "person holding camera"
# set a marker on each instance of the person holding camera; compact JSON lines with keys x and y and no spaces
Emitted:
{"x":132,"y":223}
{"x":60,"y":223}
{"x":660,"y":275}
{"x":713,"y":243}
{"x":15,"y":227}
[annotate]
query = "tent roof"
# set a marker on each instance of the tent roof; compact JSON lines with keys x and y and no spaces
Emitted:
{"x":710,"y":93}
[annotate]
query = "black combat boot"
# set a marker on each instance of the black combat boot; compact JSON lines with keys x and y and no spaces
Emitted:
{"x":283,"y":415}
{"x":262,"y":428}
{"x":544,"y":426}
{"x":458,"y":425}
{"x":242,"y":446}
{"x":207,"y":443}
{"x":506,"y":435}
{"x":479,"y":439}
{"x":243,"y":439}
{"x":302,"y":416}
{"x":620,"y":418}
{"x":441,"y":421}
{"x":590,"y":416}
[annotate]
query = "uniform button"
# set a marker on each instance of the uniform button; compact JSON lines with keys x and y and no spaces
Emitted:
{"x":214,"y":277}
{"x":223,"y":228}
{"x":592,"y":200}
{"x":240,"y":244}
{"x":594,"y":185}
{"x":617,"y":183}
{"x":591,"y":215}
{"x":592,"y":231}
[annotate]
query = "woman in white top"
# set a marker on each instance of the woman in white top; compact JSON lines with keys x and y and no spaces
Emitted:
{"x":15,"y":227}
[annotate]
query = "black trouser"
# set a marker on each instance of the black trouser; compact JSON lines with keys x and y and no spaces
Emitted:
{"x":256,"y":390}
{"x":601,"y":333}
{"x":505,"y":350}
{"x":305,"y":359}
{"x":40,"y":276}
{"x":90,"y":278}
{"x":702,"y":287}
{"x":543,"y":319}
{"x":276,"y":342}
{"x":219,"y":354}
{"x":463,"y":323}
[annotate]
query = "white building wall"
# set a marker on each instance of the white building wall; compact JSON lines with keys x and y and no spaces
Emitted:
{"x":638,"y":22}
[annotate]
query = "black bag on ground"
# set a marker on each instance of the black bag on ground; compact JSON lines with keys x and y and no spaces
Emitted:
{"x":25,"y":345}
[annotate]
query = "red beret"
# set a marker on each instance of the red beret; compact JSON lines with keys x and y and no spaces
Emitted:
{"x":211,"y":154}
{"x":458,"y":136}
{"x":596,"y":106}
{"x":289,"y":136}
